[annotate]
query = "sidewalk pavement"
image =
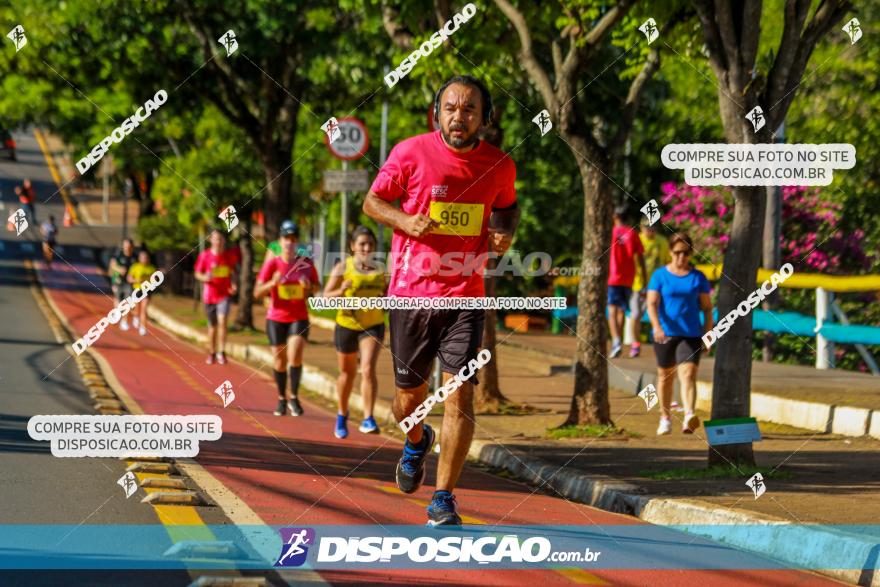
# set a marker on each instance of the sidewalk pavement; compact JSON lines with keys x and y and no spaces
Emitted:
{"x":833,"y":400}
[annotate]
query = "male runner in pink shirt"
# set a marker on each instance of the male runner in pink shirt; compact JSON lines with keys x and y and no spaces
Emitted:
{"x":456,"y":196}
{"x":215,"y":268}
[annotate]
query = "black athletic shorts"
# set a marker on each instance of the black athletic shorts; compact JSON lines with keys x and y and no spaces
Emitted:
{"x":121,"y":290}
{"x":346,"y":340}
{"x":677,"y":350}
{"x":418,"y":336}
{"x":279,"y":332}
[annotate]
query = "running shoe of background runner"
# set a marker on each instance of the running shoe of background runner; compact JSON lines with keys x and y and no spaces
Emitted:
{"x":615,"y":351}
{"x":441,"y":511}
{"x":665,"y":426}
{"x":369,"y":426}
{"x":295,"y":408}
{"x":691,"y":423}
{"x":341,"y":426}
{"x":279,"y":411}
{"x":411,"y":467}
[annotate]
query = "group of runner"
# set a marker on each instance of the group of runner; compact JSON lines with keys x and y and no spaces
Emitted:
{"x":129,"y":269}
{"x":288,"y":279}
{"x":647,"y":272}
{"x":27,"y":195}
{"x":456,"y":194}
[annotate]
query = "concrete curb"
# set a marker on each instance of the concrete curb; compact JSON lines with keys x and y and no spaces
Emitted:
{"x":874,"y":430}
{"x":612,"y":494}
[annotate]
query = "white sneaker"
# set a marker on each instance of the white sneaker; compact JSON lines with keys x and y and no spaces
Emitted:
{"x":616,"y":349}
{"x":123,"y":325}
{"x":665,"y":426}
{"x":691,"y":423}
{"x":142,"y":330}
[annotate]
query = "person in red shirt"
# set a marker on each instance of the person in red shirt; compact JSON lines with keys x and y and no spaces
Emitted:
{"x":457,"y":197}
{"x":626,"y":250}
{"x":289,"y":279}
{"x":215,"y":268}
{"x":26,"y":196}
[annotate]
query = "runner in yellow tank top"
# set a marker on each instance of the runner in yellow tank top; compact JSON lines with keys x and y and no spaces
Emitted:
{"x":357,"y":330}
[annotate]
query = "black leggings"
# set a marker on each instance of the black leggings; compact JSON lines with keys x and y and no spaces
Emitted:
{"x":677,"y":350}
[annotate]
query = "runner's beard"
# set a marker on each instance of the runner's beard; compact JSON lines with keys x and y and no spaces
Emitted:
{"x":459,"y":142}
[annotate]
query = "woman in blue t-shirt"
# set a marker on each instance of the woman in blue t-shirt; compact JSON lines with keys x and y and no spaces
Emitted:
{"x":677,"y":294}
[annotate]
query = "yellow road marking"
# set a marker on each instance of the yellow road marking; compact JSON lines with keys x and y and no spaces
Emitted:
{"x":173,"y":516}
{"x":55,"y":175}
{"x":577,"y":575}
{"x":581,"y":576}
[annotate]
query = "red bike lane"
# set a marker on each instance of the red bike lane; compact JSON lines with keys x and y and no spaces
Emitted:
{"x":294,"y":472}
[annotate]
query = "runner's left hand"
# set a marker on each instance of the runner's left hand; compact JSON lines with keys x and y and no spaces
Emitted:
{"x":499,"y":242}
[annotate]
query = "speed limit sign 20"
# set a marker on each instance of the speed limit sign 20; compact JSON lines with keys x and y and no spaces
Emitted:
{"x":352,"y":141}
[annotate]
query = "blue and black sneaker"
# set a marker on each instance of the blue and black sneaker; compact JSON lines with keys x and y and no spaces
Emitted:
{"x":411,"y":467}
{"x":441,"y":511}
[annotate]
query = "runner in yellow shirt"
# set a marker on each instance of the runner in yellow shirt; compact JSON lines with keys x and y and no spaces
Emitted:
{"x":656,"y":255}
{"x":358,"y":330}
{"x":138,"y":273}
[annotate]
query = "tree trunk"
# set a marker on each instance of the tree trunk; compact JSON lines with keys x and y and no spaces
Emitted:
{"x":245,"y":316}
{"x":589,"y":404}
{"x":731,"y":389}
{"x":277,"y":167}
{"x":147,"y":206}
{"x":487,"y":395}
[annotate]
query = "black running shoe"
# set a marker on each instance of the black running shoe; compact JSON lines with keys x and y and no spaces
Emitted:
{"x":279,"y":411}
{"x":411,"y":467}
{"x":441,"y":511}
{"x":295,"y":408}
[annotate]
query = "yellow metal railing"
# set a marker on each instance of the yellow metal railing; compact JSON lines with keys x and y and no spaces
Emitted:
{"x":836,"y":283}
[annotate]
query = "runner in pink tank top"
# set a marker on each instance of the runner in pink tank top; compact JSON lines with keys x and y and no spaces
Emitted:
{"x":457,"y":203}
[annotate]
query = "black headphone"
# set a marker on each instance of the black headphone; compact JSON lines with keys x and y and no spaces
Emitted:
{"x":467,"y":80}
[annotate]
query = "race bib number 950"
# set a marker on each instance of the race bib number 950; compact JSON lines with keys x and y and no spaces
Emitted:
{"x":457,"y":219}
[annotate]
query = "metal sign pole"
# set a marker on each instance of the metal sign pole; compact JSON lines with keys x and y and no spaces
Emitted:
{"x":343,"y":230}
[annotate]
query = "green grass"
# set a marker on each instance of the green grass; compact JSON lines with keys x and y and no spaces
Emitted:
{"x":781,"y":429}
{"x":716,"y":472}
{"x":329,"y":314}
{"x":588,"y":431}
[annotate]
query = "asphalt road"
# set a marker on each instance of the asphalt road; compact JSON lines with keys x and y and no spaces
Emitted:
{"x":38,"y":376}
